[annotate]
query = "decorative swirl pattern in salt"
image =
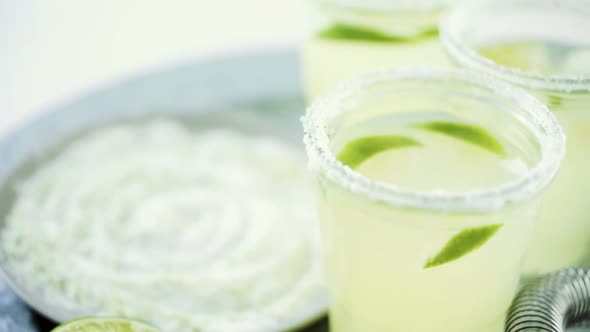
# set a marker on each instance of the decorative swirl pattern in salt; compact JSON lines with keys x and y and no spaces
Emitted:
{"x":211,"y":231}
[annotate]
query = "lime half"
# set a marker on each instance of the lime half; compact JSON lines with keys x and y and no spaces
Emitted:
{"x":104,"y":324}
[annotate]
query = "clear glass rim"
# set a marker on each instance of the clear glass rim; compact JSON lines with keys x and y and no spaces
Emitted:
{"x":323,"y":160}
{"x":451,"y":27}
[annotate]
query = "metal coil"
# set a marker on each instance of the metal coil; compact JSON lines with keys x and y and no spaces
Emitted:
{"x":551,"y":303}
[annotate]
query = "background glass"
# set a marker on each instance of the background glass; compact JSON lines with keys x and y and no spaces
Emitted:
{"x":550,"y":57}
{"x":348,"y":37}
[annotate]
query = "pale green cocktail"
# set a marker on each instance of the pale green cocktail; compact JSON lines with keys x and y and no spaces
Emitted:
{"x":349,"y":37}
{"x":429,"y":182}
{"x":550,"y":57}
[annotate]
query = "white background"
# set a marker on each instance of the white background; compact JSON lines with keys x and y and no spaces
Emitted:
{"x":51,"y":50}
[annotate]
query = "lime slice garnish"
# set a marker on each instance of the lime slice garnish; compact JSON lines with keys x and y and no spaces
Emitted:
{"x":357,"y":151}
{"x":104,"y":324}
{"x":469,"y":133}
{"x":462,"y":244}
{"x":554,"y":101}
{"x":345,"y":31}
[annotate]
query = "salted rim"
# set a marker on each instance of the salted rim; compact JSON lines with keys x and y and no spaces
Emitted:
{"x":453,"y":24}
{"x":322,"y":159}
{"x":391,"y":5}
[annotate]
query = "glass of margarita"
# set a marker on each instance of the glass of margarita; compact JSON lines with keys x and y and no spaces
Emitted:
{"x":550,"y":57}
{"x":348,"y":37}
{"x":429,"y":182}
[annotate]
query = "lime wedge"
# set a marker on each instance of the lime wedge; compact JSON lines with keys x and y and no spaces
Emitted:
{"x":462,"y":244}
{"x":469,"y":133}
{"x":345,"y":31}
{"x":357,"y":151}
{"x":104,"y":324}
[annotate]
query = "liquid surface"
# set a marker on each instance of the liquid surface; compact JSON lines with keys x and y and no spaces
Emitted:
{"x":445,"y":154}
{"x":208,"y":231}
{"x":547,"y":58}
